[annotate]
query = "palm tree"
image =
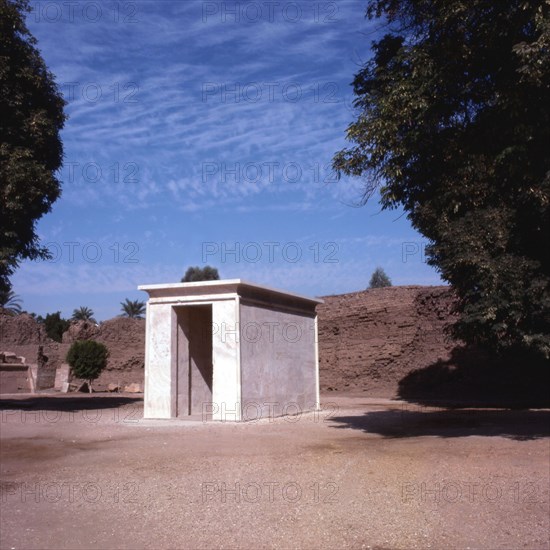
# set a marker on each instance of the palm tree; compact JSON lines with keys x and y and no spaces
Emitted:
{"x":83,"y":313}
{"x":10,"y":302}
{"x":133,"y":309}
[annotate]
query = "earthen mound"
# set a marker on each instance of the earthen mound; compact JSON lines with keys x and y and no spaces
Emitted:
{"x":370,"y":340}
{"x":20,"y":330}
{"x":80,"y":330}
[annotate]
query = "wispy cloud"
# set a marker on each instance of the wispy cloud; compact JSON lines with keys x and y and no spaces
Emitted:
{"x":189,"y":126}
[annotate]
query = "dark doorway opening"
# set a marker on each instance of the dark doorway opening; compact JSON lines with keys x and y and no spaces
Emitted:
{"x":194,"y":360}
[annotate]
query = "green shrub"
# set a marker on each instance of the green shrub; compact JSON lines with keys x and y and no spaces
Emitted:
{"x":87,"y":359}
{"x":379,"y":279}
{"x":206,"y":273}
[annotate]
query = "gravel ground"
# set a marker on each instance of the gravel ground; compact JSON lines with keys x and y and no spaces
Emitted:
{"x":89,"y":472}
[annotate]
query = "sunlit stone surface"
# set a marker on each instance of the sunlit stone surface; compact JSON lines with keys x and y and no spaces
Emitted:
{"x":229,"y":350}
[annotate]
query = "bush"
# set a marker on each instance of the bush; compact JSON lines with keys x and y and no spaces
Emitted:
{"x":206,"y":273}
{"x":379,"y":279}
{"x":87,"y":359}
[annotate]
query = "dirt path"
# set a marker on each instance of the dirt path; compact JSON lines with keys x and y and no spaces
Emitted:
{"x":364,"y":473}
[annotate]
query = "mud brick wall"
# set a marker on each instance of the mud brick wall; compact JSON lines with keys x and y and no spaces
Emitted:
{"x":124,"y":338}
{"x":369,"y":340}
{"x":14,"y":378}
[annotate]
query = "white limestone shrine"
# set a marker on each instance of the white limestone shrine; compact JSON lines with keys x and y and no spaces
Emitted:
{"x":229,"y":350}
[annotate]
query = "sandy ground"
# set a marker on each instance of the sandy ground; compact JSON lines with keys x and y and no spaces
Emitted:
{"x":89,"y":472}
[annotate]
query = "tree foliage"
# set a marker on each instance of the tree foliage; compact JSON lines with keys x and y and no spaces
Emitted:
{"x":135,"y":309}
{"x":83,"y":313}
{"x":196,"y":273}
{"x":87,"y":359}
{"x":31,"y":117}
{"x":454,"y":126}
{"x":55,"y":325}
{"x":379,"y":279}
{"x":10,"y":302}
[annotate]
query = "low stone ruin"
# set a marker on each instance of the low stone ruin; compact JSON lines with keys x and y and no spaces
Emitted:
{"x":15,"y":375}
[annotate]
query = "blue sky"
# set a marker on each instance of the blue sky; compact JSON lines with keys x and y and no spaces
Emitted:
{"x":202,"y":133}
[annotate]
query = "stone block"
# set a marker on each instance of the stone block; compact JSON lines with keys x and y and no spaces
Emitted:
{"x":62,"y":375}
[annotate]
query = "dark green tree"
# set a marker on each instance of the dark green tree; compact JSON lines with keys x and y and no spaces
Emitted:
{"x":10,"y":302}
{"x":55,"y":325}
{"x":31,"y":117}
{"x":83,"y":313}
{"x":134,"y":309}
{"x":35,"y":316}
{"x":379,"y":279}
{"x":87,"y":359}
{"x":454,"y":126}
{"x":206,"y":273}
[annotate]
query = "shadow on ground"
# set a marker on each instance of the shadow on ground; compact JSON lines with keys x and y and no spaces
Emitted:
{"x":473,"y":377}
{"x":68,"y":404}
{"x":519,"y":425}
